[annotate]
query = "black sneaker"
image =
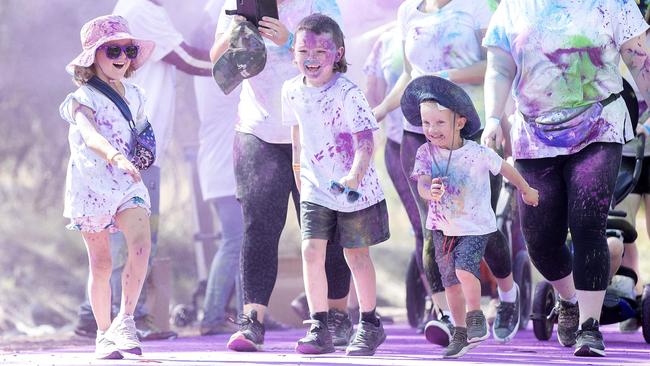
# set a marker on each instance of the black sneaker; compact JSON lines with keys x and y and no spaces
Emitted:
{"x":506,"y":323}
{"x":86,"y":328}
{"x":340,"y":327}
{"x":589,"y":340}
{"x":458,"y":345}
{"x":567,"y":322}
{"x":148,"y":331}
{"x":366,"y":340}
{"x":250,"y":336}
{"x":317,"y":341}
{"x":477,"y":328}
{"x":440,"y":331}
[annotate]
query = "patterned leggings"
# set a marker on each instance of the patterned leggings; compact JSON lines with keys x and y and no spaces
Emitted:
{"x":264,"y":181}
{"x":575,"y":192}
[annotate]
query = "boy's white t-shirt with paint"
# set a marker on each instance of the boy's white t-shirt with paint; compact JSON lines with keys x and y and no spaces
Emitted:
{"x":260,"y":107}
{"x":93,"y":186}
{"x":328,"y":116}
{"x":158,"y":78}
{"x":465,"y":207}
{"x":446,"y":39}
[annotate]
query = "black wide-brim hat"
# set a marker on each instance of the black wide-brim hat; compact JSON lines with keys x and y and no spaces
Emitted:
{"x":443,"y":92}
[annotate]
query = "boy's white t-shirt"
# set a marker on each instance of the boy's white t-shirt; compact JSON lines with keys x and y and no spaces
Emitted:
{"x":158,"y":78}
{"x":218,"y":115}
{"x":260,"y":108}
{"x":445,"y":39}
{"x":93,"y":186}
{"x":465,"y":207}
{"x":328,"y":116}
{"x":386,"y":62}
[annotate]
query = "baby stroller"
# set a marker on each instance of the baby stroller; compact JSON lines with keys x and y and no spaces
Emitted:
{"x":617,"y":306}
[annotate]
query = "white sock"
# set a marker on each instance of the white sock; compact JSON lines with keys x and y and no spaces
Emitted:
{"x":573,"y":299}
{"x":508,"y":296}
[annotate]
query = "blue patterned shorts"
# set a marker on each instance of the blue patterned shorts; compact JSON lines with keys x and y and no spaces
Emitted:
{"x":458,"y":252}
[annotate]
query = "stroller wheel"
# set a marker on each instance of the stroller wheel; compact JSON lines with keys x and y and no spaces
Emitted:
{"x":543,"y":304}
{"x":416,"y":294}
{"x":645,"y":313}
{"x":522,"y":275}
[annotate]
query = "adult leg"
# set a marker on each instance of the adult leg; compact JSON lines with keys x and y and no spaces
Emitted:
{"x":224,"y":276}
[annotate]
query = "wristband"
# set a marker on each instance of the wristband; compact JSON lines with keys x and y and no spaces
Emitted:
{"x":110,"y":159}
{"x":492,"y":121}
{"x":296,"y":167}
{"x":289,"y":44}
{"x":443,"y":74}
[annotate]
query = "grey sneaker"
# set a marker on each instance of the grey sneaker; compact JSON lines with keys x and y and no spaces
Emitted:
{"x":123,"y":333}
{"x":340,"y":327}
{"x":366,"y":340}
{"x":589,"y":340}
{"x":440,"y":331}
{"x":459,"y":345}
{"x":567,"y":322}
{"x":631,"y":325}
{"x":250,"y":336}
{"x":477,"y":328}
{"x":105,"y":349}
{"x":317,"y":341}
{"x":506,"y":323}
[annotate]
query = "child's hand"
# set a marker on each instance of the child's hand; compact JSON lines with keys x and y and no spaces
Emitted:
{"x":349,"y":182}
{"x":530,"y":196}
{"x":437,"y":189}
{"x":122,"y":163}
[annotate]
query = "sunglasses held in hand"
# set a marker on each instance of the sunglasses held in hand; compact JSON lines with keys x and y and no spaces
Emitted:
{"x":114,"y":51}
{"x":338,"y":188}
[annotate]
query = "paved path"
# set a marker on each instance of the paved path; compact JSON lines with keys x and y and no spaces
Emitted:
{"x":403,"y":347}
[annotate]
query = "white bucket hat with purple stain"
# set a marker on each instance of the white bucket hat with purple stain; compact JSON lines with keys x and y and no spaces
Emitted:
{"x":105,"y":29}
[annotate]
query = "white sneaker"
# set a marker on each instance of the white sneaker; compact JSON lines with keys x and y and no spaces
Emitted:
{"x":105,"y":349}
{"x":124,"y":334}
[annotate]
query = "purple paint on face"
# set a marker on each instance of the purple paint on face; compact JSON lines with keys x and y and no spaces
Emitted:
{"x":315,"y":55}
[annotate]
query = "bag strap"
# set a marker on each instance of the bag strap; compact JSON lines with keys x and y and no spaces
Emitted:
{"x":115,"y":97}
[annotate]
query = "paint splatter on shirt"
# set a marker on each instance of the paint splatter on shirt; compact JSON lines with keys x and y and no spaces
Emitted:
{"x":446,"y":39}
{"x":328,"y":117}
{"x":464,"y":208}
{"x":567,"y":56}
{"x":93,"y":186}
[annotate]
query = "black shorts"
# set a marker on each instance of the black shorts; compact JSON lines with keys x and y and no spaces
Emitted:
{"x":357,"y":229}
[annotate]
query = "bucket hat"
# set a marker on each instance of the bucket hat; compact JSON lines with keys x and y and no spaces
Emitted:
{"x":445,"y":93}
{"x":101,"y":30}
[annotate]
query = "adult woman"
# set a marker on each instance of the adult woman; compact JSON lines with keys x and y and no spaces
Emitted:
{"x":263,"y":170}
{"x":561,"y":60}
{"x":450,"y":32}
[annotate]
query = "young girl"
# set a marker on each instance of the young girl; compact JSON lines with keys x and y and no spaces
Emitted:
{"x":104,"y":190}
{"x":453,"y":175}
{"x":341,"y":198}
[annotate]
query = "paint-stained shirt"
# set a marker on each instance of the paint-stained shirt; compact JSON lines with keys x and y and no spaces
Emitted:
{"x":386,"y":62}
{"x":567,"y":56}
{"x":448,"y":38}
{"x":260,"y":109}
{"x":93,"y":186}
{"x":464,"y":208}
{"x":328,"y":117}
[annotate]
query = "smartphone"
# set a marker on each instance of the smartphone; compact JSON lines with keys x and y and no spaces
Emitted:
{"x":254,"y":10}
